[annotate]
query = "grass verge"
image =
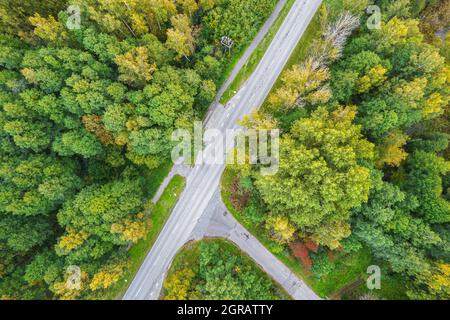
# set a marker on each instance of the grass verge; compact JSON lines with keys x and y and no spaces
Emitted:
{"x":158,"y":217}
{"x":312,"y":32}
{"x":257,"y":54}
{"x":188,"y":257}
{"x":392,"y":287}
{"x":155,"y":177}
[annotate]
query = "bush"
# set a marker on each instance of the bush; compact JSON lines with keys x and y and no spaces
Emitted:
{"x":322,"y":265}
{"x":275,"y":248}
{"x":351,"y":244}
{"x":301,"y":252}
{"x":253,"y":214}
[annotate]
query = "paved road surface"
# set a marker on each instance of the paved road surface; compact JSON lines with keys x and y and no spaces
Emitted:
{"x":204,"y":179}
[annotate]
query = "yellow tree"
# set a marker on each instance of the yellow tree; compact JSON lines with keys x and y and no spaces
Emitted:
{"x":258,"y":120}
{"x":283,"y":97}
{"x":320,"y":96}
{"x":330,"y":232}
{"x":108,"y":275}
{"x":281,"y":230}
{"x":71,"y":240}
{"x":158,"y":11}
{"x":134,"y":67}
{"x":189,"y":7}
{"x":178,"y":284}
{"x":434,"y":105}
{"x":411,"y":92}
{"x":301,"y":84}
{"x":374,"y":77}
{"x":390,"y":150}
{"x":397,"y":31}
{"x":131,"y":230}
{"x":180,"y":38}
{"x":433,"y":284}
{"x":138,"y":24}
{"x":48,"y":29}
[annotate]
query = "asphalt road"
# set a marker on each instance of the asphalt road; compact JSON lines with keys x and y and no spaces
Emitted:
{"x":203,"y":180}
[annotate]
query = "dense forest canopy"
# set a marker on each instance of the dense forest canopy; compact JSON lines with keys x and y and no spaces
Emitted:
{"x":216,"y":270}
{"x":85,"y":114}
{"x":364,"y":147}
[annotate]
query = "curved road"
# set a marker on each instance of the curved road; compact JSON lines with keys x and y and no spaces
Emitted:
{"x":203,"y":180}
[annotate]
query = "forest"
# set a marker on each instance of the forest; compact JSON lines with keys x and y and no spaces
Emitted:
{"x":87,"y":112}
{"x":86,"y":116}
{"x":364,"y":170}
{"x":214,"y":269}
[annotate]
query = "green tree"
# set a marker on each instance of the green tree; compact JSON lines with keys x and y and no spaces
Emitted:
{"x":228,"y":277}
{"x":424,"y":180}
{"x":319,"y":179}
{"x":96,"y":208}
